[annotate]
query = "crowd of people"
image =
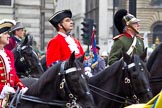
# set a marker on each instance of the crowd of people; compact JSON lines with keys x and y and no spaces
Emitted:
{"x":61,"y":46}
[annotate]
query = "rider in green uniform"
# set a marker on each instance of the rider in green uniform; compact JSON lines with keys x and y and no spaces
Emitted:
{"x":128,"y":40}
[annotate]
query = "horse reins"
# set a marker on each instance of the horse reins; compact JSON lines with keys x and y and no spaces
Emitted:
{"x":156,"y":79}
{"x":128,"y":81}
{"x":129,"y":101}
{"x":109,"y":93}
{"x":69,"y":104}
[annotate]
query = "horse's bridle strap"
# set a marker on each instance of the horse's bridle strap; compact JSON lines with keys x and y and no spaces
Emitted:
{"x":70,"y":70}
{"x":131,"y":65}
{"x":43,"y":101}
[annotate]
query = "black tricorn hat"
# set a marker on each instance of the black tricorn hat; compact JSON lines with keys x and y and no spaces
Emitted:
{"x":59,"y":16}
{"x":118,"y":19}
{"x":5,"y":25}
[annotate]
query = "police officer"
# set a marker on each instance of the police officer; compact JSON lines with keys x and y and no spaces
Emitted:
{"x":128,"y":40}
{"x":62,"y":45}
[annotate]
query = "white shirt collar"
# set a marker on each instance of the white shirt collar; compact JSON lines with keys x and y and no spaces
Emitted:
{"x":18,"y":38}
{"x":62,"y":34}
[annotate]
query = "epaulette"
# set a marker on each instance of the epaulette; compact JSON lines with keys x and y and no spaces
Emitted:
{"x":116,"y":37}
{"x":139,"y":36}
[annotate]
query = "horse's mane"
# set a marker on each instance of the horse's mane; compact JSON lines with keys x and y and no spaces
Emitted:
{"x":48,"y":76}
{"x":105,"y":74}
{"x":153,"y":56}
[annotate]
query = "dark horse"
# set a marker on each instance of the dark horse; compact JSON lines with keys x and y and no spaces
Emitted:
{"x":124,"y":82}
{"x":62,"y":85}
{"x":26,"y":60}
{"x":154,"y":67}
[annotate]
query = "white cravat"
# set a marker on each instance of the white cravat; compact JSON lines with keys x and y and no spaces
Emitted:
{"x":72,"y":45}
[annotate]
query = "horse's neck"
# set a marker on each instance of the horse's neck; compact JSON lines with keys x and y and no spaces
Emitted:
{"x":108,"y":75}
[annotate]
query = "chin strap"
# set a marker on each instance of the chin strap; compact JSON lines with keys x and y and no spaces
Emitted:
{"x":67,"y":33}
{"x":133,"y":29}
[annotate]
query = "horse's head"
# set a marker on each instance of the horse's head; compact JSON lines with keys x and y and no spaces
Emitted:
{"x":136,"y":78}
{"x":75,"y":83}
{"x":62,"y":85}
{"x":26,"y":60}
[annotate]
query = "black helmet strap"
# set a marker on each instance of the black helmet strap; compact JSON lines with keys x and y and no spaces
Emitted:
{"x":133,"y":28}
{"x":67,"y":33}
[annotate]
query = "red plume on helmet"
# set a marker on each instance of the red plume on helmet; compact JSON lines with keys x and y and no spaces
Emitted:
{"x":118,"y":19}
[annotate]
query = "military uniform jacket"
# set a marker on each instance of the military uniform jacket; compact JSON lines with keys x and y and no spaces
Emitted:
{"x":60,"y":48}
{"x":8,"y":73}
{"x":123,"y":42}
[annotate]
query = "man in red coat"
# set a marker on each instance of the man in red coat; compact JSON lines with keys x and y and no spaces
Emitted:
{"x":8,"y":77}
{"x":62,"y":45}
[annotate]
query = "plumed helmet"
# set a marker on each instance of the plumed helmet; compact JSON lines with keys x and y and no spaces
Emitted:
{"x":118,"y":19}
{"x":59,"y":16}
{"x":130,"y":19}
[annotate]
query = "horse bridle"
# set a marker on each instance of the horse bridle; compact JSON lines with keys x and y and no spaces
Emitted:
{"x":63,"y":85}
{"x":129,"y":83}
{"x":23,"y":61}
{"x":69,"y":104}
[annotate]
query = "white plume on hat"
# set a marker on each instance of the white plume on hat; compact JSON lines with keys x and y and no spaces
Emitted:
{"x":8,"y":20}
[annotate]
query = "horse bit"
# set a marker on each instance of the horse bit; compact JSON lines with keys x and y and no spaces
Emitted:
{"x":63,"y":84}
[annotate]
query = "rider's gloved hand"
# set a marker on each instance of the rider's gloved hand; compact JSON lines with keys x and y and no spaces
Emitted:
{"x":24,"y":90}
{"x":7,"y":89}
{"x":87,"y":71}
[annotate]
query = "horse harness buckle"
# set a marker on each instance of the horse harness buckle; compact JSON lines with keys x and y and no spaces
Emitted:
{"x":127,"y":80}
{"x":62,"y":83}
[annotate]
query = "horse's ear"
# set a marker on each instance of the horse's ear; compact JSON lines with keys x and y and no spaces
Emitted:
{"x":81,"y":59}
{"x":28,"y":40}
{"x":126,"y":57}
{"x":72,"y":58}
{"x":143,"y":56}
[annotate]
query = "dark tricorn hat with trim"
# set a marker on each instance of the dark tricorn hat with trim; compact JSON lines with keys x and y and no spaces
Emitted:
{"x":5,"y":25}
{"x":59,"y":16}
{"x":118,"y":19}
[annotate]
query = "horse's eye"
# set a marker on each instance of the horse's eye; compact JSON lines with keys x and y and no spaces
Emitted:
{"x":134,"y":69}
{"x":134,"y":75}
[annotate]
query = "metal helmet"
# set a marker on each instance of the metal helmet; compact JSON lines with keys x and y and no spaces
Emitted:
{"x":130,"y":19}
